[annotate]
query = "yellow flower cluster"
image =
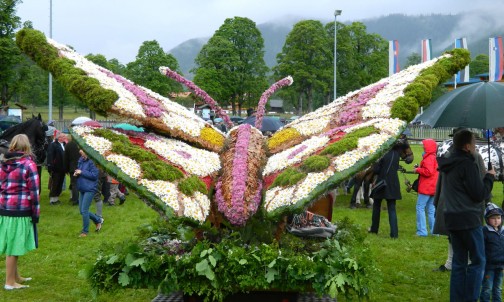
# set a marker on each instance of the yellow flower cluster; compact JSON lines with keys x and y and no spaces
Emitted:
{"x":212,"y":136}
{"x":282,"y":136}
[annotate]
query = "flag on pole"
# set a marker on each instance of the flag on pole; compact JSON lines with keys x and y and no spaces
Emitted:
{"x":496,"y":59}
{"x":463,"y":75}
{"x":426,"y":50}
{"x":393,"y":57}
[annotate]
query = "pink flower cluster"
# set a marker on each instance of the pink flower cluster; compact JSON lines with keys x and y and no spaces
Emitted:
{"x":297,"y":151}
{"x":235,"y":213}
{"x":151,"y":107}
{"x":200,"y":93}
{"x":287,"y":81}
{"x":350,"y":111}
{"x":183,"y":154}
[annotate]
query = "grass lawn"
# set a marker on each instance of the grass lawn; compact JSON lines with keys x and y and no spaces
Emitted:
{"x":56,"y":267}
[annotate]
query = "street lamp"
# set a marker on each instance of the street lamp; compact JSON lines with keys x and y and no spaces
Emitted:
{"x":336,"y":14}
{"x":49,"y":116}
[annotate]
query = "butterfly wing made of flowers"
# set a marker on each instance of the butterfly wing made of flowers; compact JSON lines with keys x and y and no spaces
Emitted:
{"x":319,"y":150}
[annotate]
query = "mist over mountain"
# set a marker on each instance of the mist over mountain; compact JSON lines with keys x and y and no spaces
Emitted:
{"x":409,"y":30}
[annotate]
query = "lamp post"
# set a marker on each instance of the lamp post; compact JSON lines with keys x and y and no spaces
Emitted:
{"x":336,"y":14}
{"x":49,"y":115}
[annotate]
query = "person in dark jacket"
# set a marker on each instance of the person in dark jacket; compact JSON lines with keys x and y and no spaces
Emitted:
{"x":464,"y":193}
{"x":19,"y":207}
{"x":439,"y":223}
{"x":56,"y":167}
{"x":87,"y":181}
{"x":70,"y":159}
{"x":386,"y":169}
{"x":428,"y":175}
{"x":493,"y":234}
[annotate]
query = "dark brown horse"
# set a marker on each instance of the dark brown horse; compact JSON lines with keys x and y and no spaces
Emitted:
{"x":35,"y":129}
{"x":365,"y":178}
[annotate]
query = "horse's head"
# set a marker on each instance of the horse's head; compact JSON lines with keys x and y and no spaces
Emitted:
{"x":404,"y":149}
{"x":35,"y":129}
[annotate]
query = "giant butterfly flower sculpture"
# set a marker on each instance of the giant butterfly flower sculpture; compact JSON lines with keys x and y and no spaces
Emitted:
{"x":190,"y":169}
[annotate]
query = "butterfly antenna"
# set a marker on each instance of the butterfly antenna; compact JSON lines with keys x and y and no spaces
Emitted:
{"x":287,"y":81}
{"x":199,"y":92}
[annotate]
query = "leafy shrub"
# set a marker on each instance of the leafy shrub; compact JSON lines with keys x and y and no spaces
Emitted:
{"x":192,"y":184}
{"x":315,"y":163}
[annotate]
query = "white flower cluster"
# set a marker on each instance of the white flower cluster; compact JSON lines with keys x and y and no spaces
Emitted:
{"x":175,"y":121}
{"x":127,"y":101}
{"x":278,"y":197}
{"x":314,"y":122}
{"x":390,"y":126}
{"x":82,"y":130}
{"x":379,"y":106}
{"x":196,"y":207}
{"x":126,"y":164}
{"x":311,"y":181}
{"x":281,"y":160}
{"x":373,"y":142}
{"x":201,"y":162}
{"x":165,"y":190}
{"x":348,"y":159}
{"x":100,"y":144}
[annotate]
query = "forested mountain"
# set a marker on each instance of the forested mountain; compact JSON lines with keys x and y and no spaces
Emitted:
{"x":408,"y":30}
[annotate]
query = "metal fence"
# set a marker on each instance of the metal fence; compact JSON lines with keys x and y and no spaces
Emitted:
{"x":63,"y":125}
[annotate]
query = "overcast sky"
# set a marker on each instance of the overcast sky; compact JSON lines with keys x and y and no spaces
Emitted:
{"x":117,"y":28}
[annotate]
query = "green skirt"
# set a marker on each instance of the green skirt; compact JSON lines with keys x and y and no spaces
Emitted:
{"x":17,"y":235}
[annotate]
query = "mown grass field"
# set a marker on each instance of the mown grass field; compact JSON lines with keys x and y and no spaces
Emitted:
{"x":56,"y":267}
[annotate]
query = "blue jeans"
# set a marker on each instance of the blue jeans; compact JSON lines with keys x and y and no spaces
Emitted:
{"x":466,"y":279}
{"x":85,"y":199}
{"x":375,"y":220}
{"x":424,"y":203}
{"x":492,"y":286}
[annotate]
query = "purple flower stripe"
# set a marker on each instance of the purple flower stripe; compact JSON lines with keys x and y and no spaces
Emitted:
{"x":151,"y":107}
{"x":287,"y":81}
{"x":297,"y":151}
{"x":200,"y":93}
{"x":350,"y":111}
{"x":336,"y":130}
{"x":240,"y":172}
{"x":221,"y":204}
{"x":254,"y":205}
{"x":183,"y":154}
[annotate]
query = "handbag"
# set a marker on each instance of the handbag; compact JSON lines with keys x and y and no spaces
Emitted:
{"x":414,"y":185}
{"x":381,"y":184}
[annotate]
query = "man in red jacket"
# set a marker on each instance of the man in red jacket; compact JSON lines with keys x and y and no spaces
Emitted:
{"x":428,"y":175}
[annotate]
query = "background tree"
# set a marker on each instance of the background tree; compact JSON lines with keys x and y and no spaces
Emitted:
{"x":113,"y":64}
{"x":306,"y":57}
{"x":480,"y":64}
{"x":145,"y":69}
{"x":231,"y":65}
{"x":10,"y":55}
{"x":413,"y":59}
{"x":362,"y":57}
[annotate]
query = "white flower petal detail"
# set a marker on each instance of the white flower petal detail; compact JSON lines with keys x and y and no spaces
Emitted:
{"x":100,"y":144}
{"x":126,"y":164}
{"x":165,"y":190}
{"x":281,"y":160}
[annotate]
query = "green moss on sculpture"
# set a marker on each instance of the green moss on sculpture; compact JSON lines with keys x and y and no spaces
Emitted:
{"x":159,"y":170}
{"x":192,"y":184}
{"x":349,"y":142}
{"x":315,"y":163}
{"x":134,"y":152}
{"x":111,"y":136}
{"x":88,"y":90}
{"x":404,"y":108}
{"x":420,"y":92}
{"x":288,"y":177}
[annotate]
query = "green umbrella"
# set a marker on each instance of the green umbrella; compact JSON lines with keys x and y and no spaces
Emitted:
{"x":479,"y":105}
{"x":126,"y":126}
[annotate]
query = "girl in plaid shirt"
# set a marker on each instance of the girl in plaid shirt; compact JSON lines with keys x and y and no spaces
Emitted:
{"x":19,"y":207}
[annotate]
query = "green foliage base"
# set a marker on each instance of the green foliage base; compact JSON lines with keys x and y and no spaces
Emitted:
{"x":216,"y":267}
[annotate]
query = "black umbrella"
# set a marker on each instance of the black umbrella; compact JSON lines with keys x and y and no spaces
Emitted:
{"x":268,"y":124}
{"x":479,"y":105}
